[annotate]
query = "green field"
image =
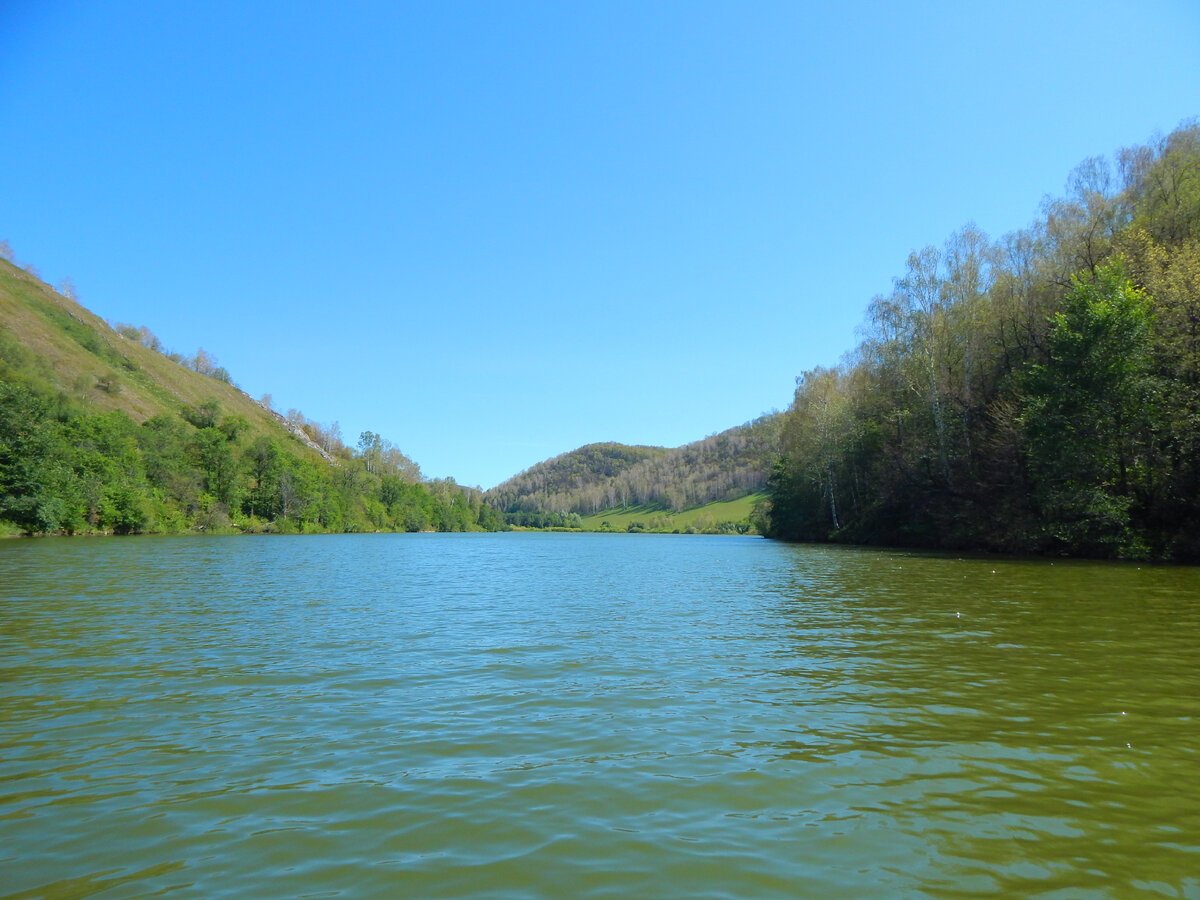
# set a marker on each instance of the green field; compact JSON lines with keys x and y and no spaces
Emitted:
{"x":707,"y":518}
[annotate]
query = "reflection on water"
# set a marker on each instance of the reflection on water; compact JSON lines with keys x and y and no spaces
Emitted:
{"x":591,"y":715}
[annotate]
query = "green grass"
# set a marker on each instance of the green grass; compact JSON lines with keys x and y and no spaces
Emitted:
{"x":75,"y":348}
{"x":651,"y":518}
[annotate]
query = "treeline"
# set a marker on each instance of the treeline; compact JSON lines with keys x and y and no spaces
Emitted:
{"x":722,"y":466}
{"x":1039,"y":393}
{"x":660,"y":523}
{"x":65,"y":468}
{"x":203,"y":362}
{"x":543,"y":520}
{"x":549,"y":485}
{"x":598,"y":477}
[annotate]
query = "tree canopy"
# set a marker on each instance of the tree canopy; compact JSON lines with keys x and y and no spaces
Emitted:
{"x":1037,"y":393}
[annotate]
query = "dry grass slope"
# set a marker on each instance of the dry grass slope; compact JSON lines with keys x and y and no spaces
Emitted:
{"x":83,"y":355}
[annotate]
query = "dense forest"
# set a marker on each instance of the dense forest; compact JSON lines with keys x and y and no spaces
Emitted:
{"x":102,"y":430}
{"x":1038,"y":393}
{"x":601,"y":477}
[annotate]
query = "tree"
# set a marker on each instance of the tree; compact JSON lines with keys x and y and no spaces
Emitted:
{"x":817,"y":437}
{"x":1165,"y":185}
{"x":1089,"y":411}
{"x":968,"y":279}
{"x":370,"y":448}
{"x":920,"y":296}
{"x":203,"y":415}
{"x":214,"y":456}
{"x":32,"y":467}
{"x":149,"y":339}
{"x":331,"y":437}
{"x":264,"y":467}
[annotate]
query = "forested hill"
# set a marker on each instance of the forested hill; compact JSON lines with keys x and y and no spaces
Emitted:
{"x":598,"y":477}
{"x":103,"y":430}
{"x":1035,"y":393}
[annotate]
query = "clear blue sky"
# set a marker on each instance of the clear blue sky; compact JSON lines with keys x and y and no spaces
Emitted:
{"x":494,"y":232}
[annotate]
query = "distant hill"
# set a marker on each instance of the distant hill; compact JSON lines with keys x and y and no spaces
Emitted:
{"x":598,"y":477}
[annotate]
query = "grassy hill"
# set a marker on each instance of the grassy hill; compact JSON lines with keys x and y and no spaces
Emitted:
{"x":723,"y":516}
{"x":102,"y":432}
{"x":63,"y":347}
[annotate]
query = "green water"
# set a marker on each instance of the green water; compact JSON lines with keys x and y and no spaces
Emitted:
{"x":562,"y":715}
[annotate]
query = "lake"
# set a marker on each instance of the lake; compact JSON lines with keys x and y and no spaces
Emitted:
{"x":591,"y":715}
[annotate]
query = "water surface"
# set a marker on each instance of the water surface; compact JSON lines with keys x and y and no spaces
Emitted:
{"x":562,"y":715}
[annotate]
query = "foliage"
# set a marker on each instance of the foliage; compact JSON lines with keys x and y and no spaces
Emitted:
{"x":542,"y":520}
{"x":600,"y":477}
{"x":64,"y":469}
{"x":720,"y":517}
{"x":1040,"y":393}
{"x":1089,"y":411}
{"x":72,"y":458}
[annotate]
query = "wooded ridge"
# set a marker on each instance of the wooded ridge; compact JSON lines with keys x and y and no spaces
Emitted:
{"x":599,"y":477}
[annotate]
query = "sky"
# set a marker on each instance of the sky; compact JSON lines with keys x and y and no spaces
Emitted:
{"x":493,"y":232}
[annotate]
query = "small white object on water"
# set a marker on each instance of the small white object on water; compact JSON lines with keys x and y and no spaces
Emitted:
{"x":959,"y":615}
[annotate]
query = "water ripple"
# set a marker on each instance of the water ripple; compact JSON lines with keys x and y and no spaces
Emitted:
{"x":591,"y":716}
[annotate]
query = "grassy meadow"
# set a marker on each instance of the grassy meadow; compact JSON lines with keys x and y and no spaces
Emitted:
{"x":708,"y":517}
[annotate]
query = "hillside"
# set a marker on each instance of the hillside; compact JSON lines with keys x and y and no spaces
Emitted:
{"x":69,"y":349}
{"x":100,"y":432}
{"x":599,"y":477}
{"x":1039,"y":393}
